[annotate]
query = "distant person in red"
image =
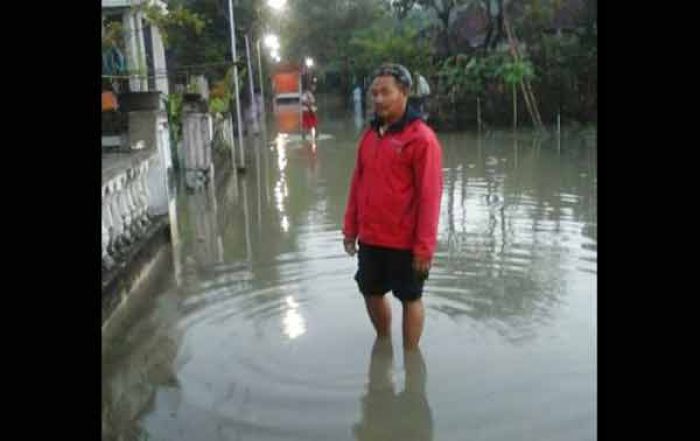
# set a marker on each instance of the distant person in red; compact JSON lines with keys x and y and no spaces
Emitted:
{"x":309,"y":120}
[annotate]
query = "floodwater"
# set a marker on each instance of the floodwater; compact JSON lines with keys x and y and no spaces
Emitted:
{"x":257,"y":331}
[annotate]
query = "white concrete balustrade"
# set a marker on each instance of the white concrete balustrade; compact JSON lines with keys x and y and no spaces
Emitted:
{"x":126,"y":209}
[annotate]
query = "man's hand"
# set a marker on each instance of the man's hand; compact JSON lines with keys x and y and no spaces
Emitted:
{"x":421,"y":266}
{"x":350,"y":246}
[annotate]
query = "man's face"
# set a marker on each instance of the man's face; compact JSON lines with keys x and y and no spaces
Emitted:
{"x":388,"y":97}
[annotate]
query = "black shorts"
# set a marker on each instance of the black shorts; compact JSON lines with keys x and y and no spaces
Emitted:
{"x":381,"y":270}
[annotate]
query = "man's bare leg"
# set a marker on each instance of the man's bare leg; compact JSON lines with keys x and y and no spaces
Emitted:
{"x":379,"y":311}
{"x":413,"y":318}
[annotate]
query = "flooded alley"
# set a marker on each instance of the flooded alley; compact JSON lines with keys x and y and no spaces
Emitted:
{"x":257,"y":331}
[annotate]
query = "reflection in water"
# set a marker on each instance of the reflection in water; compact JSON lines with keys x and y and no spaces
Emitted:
{"x":139,"y":368}
{"x":259,"y":146}
{"x":205,"y":247}
{"x":390,"y":416}
{"x":309,"y":151}
{"x":175,"y":238}
{"x":203,"y":208}
{"x":281,"y":189}
{"x":511,"y":232}
{"x":293,"y":322}
{"x":288,"y":119}
{"x":246,"y":217}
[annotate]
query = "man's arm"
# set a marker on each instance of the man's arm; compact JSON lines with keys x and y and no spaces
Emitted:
{"x":350,"y":227}
{"x":427,"y":168}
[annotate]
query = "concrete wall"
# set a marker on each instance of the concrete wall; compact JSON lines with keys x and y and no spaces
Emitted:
{"x":197,"y":128}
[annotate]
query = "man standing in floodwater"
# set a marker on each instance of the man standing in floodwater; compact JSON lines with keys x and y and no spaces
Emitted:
{"x":393,"y":205}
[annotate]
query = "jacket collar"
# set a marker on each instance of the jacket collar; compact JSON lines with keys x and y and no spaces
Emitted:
{"x":410,"y":115}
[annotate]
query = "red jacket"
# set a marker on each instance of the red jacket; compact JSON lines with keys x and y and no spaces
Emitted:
{"x":396,"y":188}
